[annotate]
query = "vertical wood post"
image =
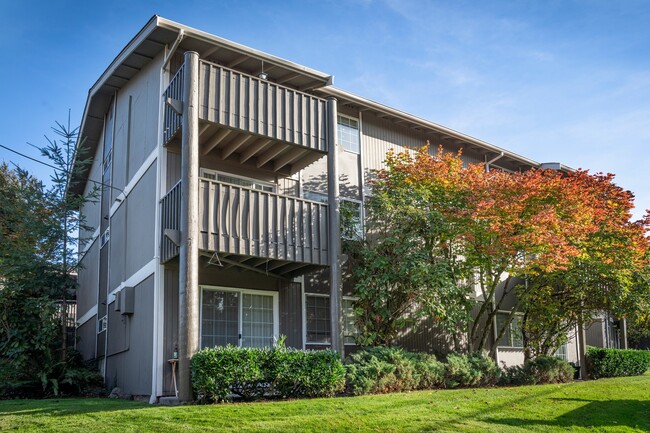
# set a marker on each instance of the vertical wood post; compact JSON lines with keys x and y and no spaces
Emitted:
{"x":582,"y":349}
{"x":188,"y":289}
{"x":334,"y":226}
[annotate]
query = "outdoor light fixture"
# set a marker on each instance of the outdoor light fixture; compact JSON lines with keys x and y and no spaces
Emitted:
{"x":263,"y":75}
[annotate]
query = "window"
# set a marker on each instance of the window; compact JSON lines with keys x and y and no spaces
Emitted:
{"x":245,"y":318}
{"x":513,"y":336}
{"x":350,"y":328}
{"x":105,"y":237}
{"x":562,"y":353}
{"x":102,"y":324}
{"x":317,"y":313}
{"x":237,"y":180}
{"x":315,"y":196}
{"x":351,"y":219}
{"x":348,"y":133}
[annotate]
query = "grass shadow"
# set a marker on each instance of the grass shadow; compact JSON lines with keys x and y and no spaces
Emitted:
{"x":592,"y":414}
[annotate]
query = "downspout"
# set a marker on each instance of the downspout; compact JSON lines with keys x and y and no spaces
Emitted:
{"x":334,"y":231}
{"x":496,"y":158}
{"x":188,"y":289}
{"x":172,"y":50}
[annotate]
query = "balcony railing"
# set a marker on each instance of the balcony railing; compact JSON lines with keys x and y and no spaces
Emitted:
{"x":256,"y":118}
{"x":247,"y":103}
{"x":172,"y":118}
{"x":235,"y":220}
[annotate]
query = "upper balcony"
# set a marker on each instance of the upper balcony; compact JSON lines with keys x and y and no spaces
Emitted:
{"x":251,"y":122}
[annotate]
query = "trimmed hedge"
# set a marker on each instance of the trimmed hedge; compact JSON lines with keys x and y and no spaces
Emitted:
{"x":219,"y":372}
{"x":540,"y":370}
{"x":617,"y":362}
{"x":382,"y":369}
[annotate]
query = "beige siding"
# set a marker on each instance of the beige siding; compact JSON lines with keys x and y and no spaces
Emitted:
{"x":88,"y":280}
{"x":92,"y":208}
{"x":379,"y":136}
{"x":140,"y":222}
{"x":117,"y":256}
{"x":130,"y":343}
{"x":136,"y":123}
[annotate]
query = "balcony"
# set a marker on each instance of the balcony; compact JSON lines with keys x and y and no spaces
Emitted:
{"x":252,"y":229}
{"x":251,"y":122}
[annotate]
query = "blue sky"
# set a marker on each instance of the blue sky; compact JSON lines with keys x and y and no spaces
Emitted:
{"x":565,"y":81}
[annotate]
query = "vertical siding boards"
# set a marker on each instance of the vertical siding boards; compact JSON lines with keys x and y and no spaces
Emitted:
{"x":171,"y":219}
{"x":171,"y":118}
{"x":239,"y":101}
{"x":244,"y":221}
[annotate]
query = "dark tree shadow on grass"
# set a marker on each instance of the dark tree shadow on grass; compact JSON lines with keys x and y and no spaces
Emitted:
{"x":593,"y":414}
{"x":66,"y":407}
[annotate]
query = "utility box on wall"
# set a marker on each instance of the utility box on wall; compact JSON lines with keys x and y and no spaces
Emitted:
{"x":127,"y":300}
{"x":118,"y":301}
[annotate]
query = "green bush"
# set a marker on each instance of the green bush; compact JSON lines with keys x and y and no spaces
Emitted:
{"x":61,"y":378}
{"x":383,"y":369}
{"x":617,"y":362}
{"x":470,"y":370}
{"x":540,"y":370}
{"x":220,"y":371}
{"x":430,"y":370}
{"x":301,"y":373}
{"x":379,"y":370}
{"x":251,"y":373}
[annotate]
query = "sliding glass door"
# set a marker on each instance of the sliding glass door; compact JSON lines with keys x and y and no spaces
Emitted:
{"x":246,"y":318}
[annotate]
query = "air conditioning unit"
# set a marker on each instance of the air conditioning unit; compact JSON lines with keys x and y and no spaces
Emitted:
{"x":127,"y":300}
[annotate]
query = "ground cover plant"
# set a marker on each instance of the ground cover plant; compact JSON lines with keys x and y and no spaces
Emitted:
{"x":607,"y":405}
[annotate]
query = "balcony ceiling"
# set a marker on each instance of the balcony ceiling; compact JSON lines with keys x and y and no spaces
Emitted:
{"x":280,"y":269}
{"x":254,"y":152}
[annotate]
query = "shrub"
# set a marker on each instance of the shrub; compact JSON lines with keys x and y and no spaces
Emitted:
{"x":301,"y":373}
{"x":380,"y":370}
{"x":540,"y":370}
{"x":252,"y":372}
{"x":61,"y":378}
{"x":470,"y":370}
{"x":219,"y":371}
{"x":430,"y":370}
{"x":617,"y":362}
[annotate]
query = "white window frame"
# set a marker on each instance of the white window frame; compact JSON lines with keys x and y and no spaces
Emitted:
{"x":338,"y":123}
{"x":304,"y":318}
{"x":106,"y":236}
{"x":506,"y":312}
{"x":316,"y":196}
{"x":102,"y":324}
{"x":276,"y":305}
{"x":210,"y":174}
{"x":361,"y":229}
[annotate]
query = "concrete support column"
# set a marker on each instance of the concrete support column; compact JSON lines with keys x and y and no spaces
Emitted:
{"x":188,"y":289}
{"x":334,"y":226}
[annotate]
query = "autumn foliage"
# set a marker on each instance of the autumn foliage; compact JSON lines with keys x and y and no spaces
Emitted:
{"x":554,"y":238}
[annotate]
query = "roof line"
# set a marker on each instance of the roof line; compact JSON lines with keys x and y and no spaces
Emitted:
{"x":243,"y":49}
{"x":336,"y":92}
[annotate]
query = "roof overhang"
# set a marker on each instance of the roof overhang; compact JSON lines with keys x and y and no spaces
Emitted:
{"x":506,"y":159}
{"x":148,"y":43}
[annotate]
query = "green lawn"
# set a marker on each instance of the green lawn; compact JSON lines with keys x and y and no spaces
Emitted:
{"x":611,"y":405}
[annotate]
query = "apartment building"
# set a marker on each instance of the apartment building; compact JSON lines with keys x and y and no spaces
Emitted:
{"x":224,"y":169}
